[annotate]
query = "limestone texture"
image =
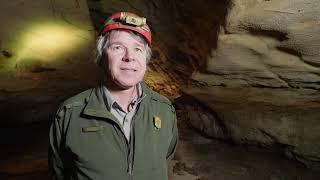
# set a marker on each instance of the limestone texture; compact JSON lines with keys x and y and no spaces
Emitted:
{"x":263,"y":79}
{"x":245,"y":71}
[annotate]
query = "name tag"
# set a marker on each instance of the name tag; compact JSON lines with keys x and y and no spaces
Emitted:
{"x":92,"y":129}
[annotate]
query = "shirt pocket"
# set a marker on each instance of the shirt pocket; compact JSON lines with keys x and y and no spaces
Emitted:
{"x":96,"y":146}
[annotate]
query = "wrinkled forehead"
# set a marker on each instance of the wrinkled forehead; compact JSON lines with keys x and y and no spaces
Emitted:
{"x":115,"y":34}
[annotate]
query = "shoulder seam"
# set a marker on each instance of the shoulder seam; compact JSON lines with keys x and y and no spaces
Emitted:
{"x":71,"y":102}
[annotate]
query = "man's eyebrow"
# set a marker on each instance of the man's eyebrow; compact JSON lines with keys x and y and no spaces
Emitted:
{"x":114,"y":43}
{"x":140,"y":44}
{"x":120,"y":43}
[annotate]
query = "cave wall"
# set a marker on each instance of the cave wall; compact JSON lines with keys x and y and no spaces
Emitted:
{"x":46,"y":55}
{"x":247,"y":71}
{"x":263,"y":79}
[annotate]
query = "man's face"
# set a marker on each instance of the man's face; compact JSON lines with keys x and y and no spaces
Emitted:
{"x":125,"y":62}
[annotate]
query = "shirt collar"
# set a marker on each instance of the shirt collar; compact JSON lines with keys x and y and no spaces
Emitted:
{"x":110,"y":102}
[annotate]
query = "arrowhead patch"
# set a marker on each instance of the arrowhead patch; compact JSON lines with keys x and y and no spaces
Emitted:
{"x":157,"y":122}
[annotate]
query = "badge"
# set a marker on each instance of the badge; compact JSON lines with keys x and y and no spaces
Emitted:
{"x":157,"y":122}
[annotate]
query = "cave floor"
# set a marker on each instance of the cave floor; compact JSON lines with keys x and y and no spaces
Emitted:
{"x":23,"y":156}
{"x":201,"y":158}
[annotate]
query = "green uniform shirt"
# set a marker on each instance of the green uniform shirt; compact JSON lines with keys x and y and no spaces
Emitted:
{"x":125,"y":118}
{"x":88,"y":142}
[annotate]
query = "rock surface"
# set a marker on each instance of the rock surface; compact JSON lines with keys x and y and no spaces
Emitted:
{"x":246,"y":70}
{"x":47,"y":50}
{"x":263,"y":79}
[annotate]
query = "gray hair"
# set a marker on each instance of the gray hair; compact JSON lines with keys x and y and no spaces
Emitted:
{"x":103,"y":41}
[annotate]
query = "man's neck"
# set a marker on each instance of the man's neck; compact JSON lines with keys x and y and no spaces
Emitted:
{"x":123,"y":96}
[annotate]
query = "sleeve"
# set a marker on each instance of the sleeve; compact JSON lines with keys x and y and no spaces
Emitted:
{"x":174,"y":140}
{"x":55,"y":161}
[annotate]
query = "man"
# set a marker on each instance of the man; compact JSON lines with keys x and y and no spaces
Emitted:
{"x":120,"y":130}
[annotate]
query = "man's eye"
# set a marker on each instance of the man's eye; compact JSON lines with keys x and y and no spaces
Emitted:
{"x":117,"y":48}
{"x":138,"y":49}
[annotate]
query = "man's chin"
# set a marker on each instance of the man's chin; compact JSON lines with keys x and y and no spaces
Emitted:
{"x":126,"y":86}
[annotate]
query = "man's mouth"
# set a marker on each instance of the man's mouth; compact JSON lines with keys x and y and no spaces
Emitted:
{"x":128,"y":69}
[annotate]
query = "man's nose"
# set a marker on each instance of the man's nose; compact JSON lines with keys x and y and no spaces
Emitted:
{"x":129,"y":55}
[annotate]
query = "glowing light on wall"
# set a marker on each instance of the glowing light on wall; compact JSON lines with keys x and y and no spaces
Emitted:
{"x":51,"y":41}
{"x":44,"y":42}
